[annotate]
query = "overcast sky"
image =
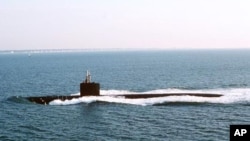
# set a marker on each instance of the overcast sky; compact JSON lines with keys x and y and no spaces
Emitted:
{"x":125,"y":24}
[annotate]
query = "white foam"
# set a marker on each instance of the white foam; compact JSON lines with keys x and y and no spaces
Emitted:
{"x":75,"y":94}
{"x":236,"y":95}
{"x":116,"y":92}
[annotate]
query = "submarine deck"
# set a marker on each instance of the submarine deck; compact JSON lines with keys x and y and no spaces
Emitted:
{"x":47,"y":99}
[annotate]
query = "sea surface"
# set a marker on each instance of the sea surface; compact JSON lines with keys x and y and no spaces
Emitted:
{"x":175,"y":118}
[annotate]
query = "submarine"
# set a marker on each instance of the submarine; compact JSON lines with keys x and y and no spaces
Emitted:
{"x":88,"y":88}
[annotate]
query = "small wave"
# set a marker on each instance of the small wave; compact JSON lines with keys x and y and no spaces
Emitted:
{"x":243,"y":85}
{"x":237,"y":95}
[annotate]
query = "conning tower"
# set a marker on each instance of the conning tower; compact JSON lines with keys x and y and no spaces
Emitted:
{"x":88,"y":88}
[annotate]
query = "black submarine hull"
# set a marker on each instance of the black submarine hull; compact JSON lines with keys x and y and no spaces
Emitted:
{"x":47,"y":99}
{"x":88,"y":88}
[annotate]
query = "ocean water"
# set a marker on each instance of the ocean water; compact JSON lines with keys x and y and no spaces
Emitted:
{"x":172,"y":118}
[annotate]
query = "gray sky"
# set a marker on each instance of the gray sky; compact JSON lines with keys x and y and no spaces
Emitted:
{"x":125,"y":24}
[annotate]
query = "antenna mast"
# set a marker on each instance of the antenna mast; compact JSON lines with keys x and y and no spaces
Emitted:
{"x":88,"y":77}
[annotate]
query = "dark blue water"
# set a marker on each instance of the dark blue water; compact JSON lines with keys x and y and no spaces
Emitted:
{"x":189,"y":118}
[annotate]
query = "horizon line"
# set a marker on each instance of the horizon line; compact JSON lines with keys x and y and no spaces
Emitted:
{"x":9,"y":51}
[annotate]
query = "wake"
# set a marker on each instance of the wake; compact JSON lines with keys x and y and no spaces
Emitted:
{"x":234,"y":95}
